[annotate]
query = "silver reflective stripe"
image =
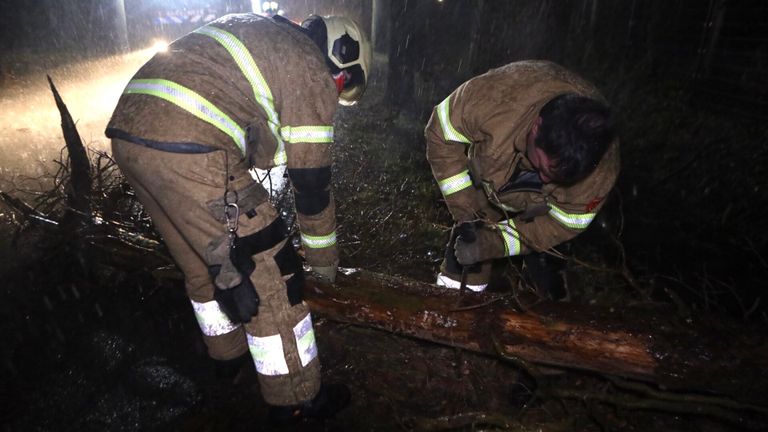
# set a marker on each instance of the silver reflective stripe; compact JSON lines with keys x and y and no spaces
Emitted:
{"x":267,"y":353}
{"x":261,"y":90}
{"x":191,"y":102}
{"x":578,"y":221}
{"x":307,"y":134}
{"x":455,"y":183}
{"x":305,"y":340}
{"x":212,"y":320}
{"x":318,"y":242}
{"x":449,"y":133}
{"x":445,"y":281}
{"x":511,"y":237}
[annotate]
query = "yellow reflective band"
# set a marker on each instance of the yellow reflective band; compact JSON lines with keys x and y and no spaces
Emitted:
{"x":449,"y":133}
{"x":511,"y":237}
{"x":261,"y":90}
{"x":267,"y":353}
{"x":191,"y":102}
{"x":455,"y":183}
{"x":211,"y":319}
{"x":318,"y":242}
{"x":305,"y":340}
{"x":281,"y":157}
{"x":307,"y":134}
{"x":578,"y":221}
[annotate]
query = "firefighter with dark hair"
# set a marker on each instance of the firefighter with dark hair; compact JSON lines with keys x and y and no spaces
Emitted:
{"x":242,"y":92}
{"x":524,"y":156}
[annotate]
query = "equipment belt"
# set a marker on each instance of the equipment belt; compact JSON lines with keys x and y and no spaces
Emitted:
{"x":170,"y":147}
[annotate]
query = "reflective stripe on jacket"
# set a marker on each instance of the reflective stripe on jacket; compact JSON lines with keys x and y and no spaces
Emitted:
{"x":256,"y":87}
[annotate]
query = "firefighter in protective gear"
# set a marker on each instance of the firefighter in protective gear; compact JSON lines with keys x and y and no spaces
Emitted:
{"x":525,"y":156}
{"x":246,"y":91}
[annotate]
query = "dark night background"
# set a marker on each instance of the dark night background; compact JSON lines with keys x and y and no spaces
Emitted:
{"x":92,"y":346}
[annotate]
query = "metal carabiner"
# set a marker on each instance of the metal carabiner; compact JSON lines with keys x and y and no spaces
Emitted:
{"x":232,"y":222}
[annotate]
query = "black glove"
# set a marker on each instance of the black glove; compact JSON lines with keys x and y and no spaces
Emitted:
{"x":466,"y":231}
{"x":479,"y":245}
{"x":452,"y":266}
{"x":230,"y":269}
{"x":240,"y":303}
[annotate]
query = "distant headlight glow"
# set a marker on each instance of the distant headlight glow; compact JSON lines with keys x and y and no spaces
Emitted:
{"x":159,"y":46}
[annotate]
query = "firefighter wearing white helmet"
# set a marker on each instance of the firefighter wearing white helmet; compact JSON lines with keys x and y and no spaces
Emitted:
{"x":246,"y":91}
{"x":347,"y":51}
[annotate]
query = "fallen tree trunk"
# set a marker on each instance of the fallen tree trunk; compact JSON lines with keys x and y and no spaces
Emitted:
{"x":646,"y":344}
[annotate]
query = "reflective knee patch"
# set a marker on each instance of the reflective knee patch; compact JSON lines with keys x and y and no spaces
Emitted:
{"x":267,"y":353}
{"x":211,"y":319}
{"x":305,"y":340}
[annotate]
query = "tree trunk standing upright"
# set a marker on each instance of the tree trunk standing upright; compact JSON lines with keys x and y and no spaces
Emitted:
{"x":121,"y":27}
{"x":381,"y":33}
{"x":381,"y":26}
{"x":579,"y":45}
{"x":476,"y":35}
{"x":709,"y":38}
{"x":428,"y":52}
{"x":557,"y":18}
{"x":400,"y":81}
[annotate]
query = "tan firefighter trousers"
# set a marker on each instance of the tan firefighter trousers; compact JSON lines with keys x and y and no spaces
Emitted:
{"x":176,"y":190}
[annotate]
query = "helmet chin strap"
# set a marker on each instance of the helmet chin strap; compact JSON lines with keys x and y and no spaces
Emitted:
{"x":340,"y":79}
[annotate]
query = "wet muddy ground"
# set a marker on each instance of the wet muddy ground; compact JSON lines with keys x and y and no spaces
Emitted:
{"x":132,"y":360}
{"x":100,"y":344}
{"x":128,"y":357}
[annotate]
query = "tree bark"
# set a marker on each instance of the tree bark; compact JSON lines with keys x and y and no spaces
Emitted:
{"x":649,"y":344}
{"x":79,"y":196}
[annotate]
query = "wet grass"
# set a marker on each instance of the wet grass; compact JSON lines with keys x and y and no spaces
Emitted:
{"x":390,"y":216}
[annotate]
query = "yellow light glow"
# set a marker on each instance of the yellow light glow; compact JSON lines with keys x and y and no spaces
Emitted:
{"x":159,"y":46}
{"x":90,"y":89}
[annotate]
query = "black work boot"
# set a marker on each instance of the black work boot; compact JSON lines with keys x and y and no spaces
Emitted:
{"x":331,"y":399}
{"x":523,"y":389}
{"x":546,"y":273}
{"x":231,"y":371}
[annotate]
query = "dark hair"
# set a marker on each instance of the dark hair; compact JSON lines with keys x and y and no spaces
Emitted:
{"x":575,"y":132}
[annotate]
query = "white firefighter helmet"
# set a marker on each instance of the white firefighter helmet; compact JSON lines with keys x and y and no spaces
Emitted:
{"x":348,"y":49}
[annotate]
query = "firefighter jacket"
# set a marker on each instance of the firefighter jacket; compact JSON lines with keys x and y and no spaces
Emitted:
{"x":256,"y":87}
{"x":487,"y":120}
